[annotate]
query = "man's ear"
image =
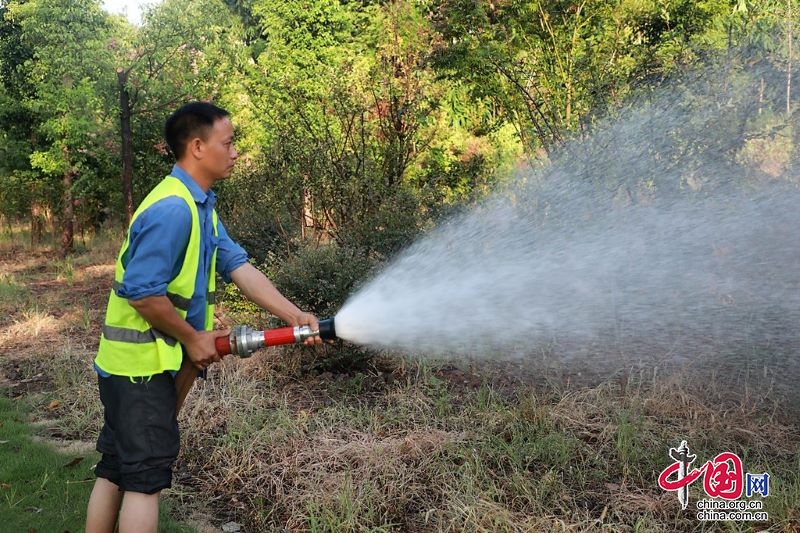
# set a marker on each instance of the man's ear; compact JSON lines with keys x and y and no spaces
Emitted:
{"x":195,"y":147}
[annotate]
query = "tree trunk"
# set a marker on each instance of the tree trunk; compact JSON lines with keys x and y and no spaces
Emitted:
{"x":127,"y":143}
{"x":790,"y":36}
{"x":67,"y":215}
{"x":37,"y":224}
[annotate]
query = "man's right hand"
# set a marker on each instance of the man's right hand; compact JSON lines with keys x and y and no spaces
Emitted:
{"x":201,"y":348}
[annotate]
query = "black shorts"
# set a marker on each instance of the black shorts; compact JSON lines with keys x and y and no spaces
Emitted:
{"x":140,"y":439}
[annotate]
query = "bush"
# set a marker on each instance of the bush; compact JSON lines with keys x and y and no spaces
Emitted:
{"x":316,"y":278}
{"x":319,"y":278}
{"x":240,"y":310}
{"x":391,"y":227}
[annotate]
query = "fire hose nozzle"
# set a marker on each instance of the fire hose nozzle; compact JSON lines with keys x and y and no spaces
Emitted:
{"x":243,"y":340}
{"x":327,"y":329}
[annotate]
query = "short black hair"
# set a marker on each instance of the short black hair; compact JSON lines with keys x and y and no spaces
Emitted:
{"x":192,"y":120}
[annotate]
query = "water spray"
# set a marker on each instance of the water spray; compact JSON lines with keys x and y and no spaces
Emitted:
{"x":600,"y":259}
{"x":244,"y":340}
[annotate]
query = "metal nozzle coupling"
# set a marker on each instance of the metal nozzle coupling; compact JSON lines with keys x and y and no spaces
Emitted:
{"x":245,"y":341}
{"x":326,"y":331}
{"x":302,"y":333}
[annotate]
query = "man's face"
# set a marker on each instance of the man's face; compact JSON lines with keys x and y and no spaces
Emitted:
{"x":219,"y":153}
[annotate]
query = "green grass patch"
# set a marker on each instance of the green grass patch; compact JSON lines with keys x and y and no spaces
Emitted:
{"x":42,"y":489}
{"x":11,"y":290}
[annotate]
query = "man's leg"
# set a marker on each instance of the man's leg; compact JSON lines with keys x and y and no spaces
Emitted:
{"x":139,"y":513}
{"x":142,"y":447}
{"x":184,"y":381}
{"x":101,"y":515}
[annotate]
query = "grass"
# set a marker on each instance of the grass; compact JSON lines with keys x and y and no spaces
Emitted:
{"x":10,"y":288}
{"x":423,"y":455}
{"x":278,"y":443}
{"x":42,"y":489}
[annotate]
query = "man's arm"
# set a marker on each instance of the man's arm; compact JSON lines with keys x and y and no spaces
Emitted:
{"x":199,"y":345}
{"x":260,"y":290}
{"x":161,"y":314}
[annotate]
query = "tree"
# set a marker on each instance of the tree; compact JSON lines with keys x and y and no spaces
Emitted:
{"x":178,"y":55}
{"x":67,"y":70}
{"x":343,"y":106}
{"x":552,"y":65}
{"x":16,"y":124}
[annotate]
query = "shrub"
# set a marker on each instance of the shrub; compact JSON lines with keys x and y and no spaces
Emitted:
{"x":384,"y":232}
{"x":319,"y":278}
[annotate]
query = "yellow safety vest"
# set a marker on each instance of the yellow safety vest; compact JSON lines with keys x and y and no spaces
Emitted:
{"x":129,"y":346}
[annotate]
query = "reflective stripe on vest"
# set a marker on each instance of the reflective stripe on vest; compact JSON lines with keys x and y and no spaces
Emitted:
{"x":136,"y":337}
{"x":129,"y":346}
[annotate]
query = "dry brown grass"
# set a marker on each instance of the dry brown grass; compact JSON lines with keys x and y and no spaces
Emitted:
{"x":401,"y":460}
{"x":394,"y":444}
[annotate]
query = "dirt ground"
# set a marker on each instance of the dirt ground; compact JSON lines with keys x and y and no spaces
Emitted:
{"x":50,"y":306}
{"x":55,"y":305}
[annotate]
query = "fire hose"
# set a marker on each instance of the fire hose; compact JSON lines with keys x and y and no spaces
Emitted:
{"x":243,"y":340}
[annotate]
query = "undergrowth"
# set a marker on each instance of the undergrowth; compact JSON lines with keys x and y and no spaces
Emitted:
{"x":338,"y":439}
{"x":421,"y":452}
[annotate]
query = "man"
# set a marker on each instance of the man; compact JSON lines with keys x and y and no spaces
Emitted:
{"x":160,"y":316}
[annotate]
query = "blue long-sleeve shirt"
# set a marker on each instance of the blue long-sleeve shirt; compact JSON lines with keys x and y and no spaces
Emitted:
{"x":158,"y":240}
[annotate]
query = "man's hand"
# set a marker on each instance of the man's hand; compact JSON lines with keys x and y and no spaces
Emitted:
{"x":307,"y":319}
{"x":163,"y":316}
{"x":201,"y":348}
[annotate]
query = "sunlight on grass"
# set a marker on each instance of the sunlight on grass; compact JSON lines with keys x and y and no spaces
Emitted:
{"x":31,"y":323}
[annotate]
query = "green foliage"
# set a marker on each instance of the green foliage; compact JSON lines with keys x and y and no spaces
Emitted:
{"x":360,"y":123}
{"x":184,"y":51}
{"x":551,"y":66}
{"x":465,"y":167}
{"x":66,"y":62}
{"x":341,"y":119}
{"x":16,"y":120}
{"x":240,"y":310}
{"x":59,"y":68}
{"x":382,"y":233}
{"x":319,"y":278}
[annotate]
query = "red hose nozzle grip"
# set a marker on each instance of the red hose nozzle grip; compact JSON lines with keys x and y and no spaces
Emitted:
{"x":223,"y":345}
{"x":276,"y":337}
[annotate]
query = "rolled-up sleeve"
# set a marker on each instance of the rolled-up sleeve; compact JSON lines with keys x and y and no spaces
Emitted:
{"x":158,"y":240}
{"x":230,"y":255}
